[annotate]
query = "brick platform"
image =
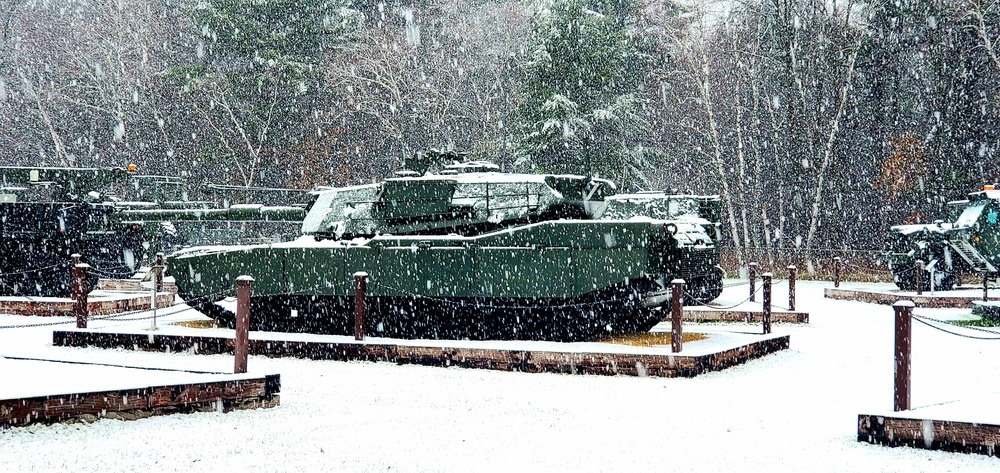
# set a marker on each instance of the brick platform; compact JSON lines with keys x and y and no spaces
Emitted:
{"x":939,"y":299}
{"x":707,"y":314}
{"x":932,"y":434}
{"x":132,"y":285}
{"x":546,"y":358}
{"x":98,"y":303}
{"x":214,"y":392}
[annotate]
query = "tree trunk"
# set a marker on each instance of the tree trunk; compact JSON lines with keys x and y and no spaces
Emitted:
{"x":817,"y":200}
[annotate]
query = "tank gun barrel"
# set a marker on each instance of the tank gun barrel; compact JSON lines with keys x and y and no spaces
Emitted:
{"x":69,"y":179}
{"x":235,"y":213}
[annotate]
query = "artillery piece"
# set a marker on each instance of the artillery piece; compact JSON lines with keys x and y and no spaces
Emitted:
{"x":470,"y":253}
{"x":968,"y":243}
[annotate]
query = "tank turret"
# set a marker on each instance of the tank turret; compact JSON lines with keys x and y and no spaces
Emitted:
{"x":465,"y":199}
{"x":471,"y":252}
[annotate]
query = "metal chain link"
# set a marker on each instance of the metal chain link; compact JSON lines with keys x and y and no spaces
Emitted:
{"x":30,"y":271}
{"x":926,"y":321}
{"x":18,"y":293}
{"x":43,"y":324}
{"x":106,"y":271}
{"x":864,"y":269}
{"x":703,"y":303}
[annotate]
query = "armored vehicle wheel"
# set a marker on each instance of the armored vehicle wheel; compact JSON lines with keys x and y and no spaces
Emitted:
{"x":702,"y":290}
{"x":904,"y":279}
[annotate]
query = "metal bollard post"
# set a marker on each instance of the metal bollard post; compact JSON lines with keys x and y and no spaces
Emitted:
{"x":152,"y":300}
{"x":79,"y":276}
{"x":837,"y":264}
{"x":242,"y":349}
{"x":156,"y":276}
{"x":918,"y":273}
{"x":766,"y":277}
{"x":901,"y":391}
{"x":753,"y":281}
{"x":791,"y":288}
{"x":162,"y":265}
{"x":676,"y":332}
{"x":360,"y":287}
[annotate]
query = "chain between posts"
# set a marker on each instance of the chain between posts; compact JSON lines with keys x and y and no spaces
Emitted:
{"x":927,"y":321}
{"x":117,"y":317}
{"x":903,"y":349}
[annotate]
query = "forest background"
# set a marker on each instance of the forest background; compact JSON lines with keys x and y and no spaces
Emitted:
{"x":819,"y":123}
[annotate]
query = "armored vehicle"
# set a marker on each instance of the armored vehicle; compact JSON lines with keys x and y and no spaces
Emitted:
{"x":469,"y":253}
{"x":112,"y":217}
{"x":969,"y":242}
{"x":49,"y":213}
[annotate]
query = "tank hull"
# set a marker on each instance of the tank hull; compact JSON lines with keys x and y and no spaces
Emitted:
{"x":563,"y":280}
{"x":968,"y":243}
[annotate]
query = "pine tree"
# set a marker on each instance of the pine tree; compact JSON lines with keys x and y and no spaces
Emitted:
{"x":259,"y":67}
{"x":579,"y":111}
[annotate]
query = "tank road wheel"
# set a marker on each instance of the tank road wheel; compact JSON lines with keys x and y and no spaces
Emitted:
{"x":903,"y":277}
{"x":704,"y":289}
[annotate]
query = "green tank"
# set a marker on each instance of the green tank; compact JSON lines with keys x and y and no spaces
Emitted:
{"x":49,"y":213}
{"x":969,"y":241}
{"x":177,"y":214}
{"x":470,"y":253}
{"x":114,"y":218}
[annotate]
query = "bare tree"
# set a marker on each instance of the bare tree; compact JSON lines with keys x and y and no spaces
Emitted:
{"x":448,"y":86}
{"x":980,"y":10}
{"x":833,"y":129}
{"x":692,"y":46}
{"x":97,"y":60}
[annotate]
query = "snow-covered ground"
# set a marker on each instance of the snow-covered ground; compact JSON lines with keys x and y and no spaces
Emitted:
{"x":793,"y":411}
